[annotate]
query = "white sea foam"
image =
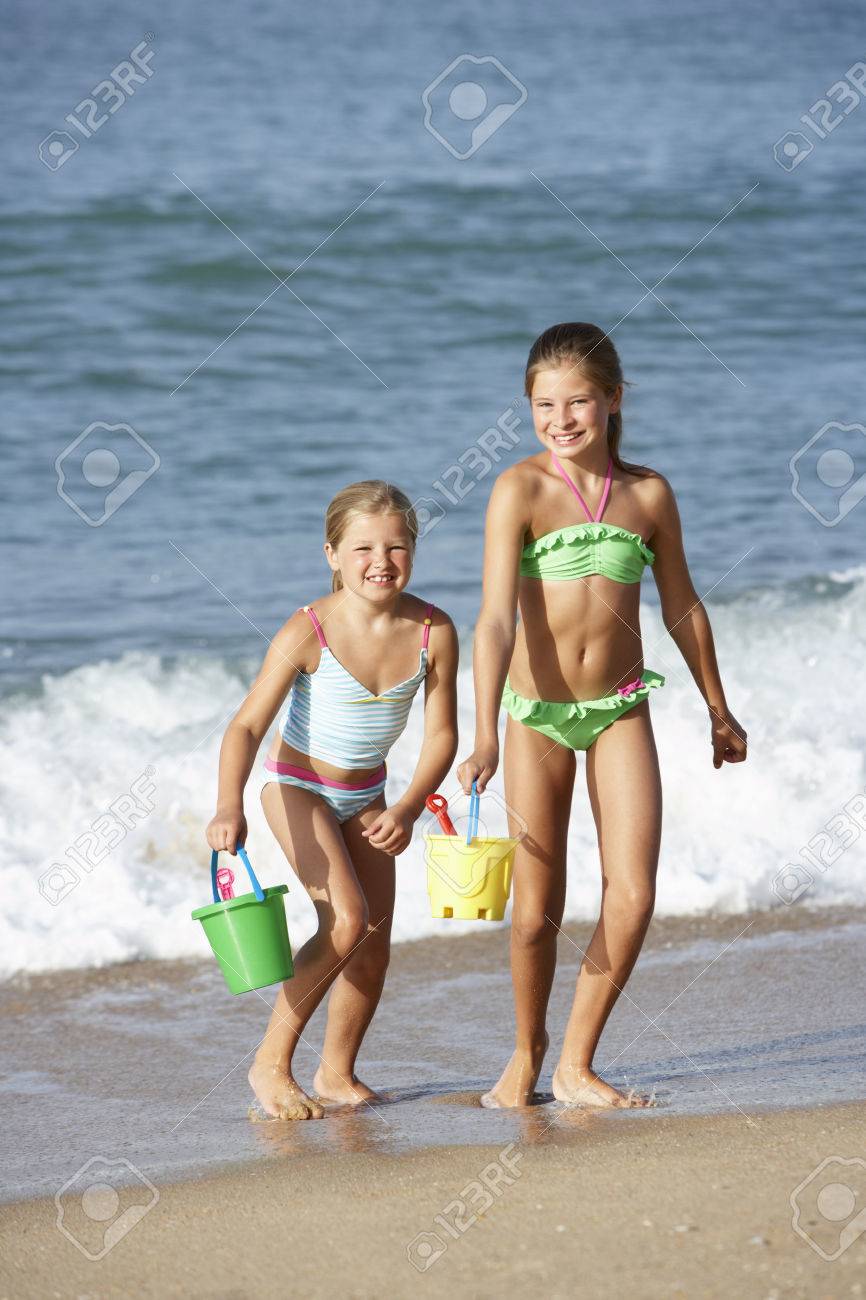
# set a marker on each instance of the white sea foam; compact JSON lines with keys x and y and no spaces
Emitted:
{"x":791,"y":671}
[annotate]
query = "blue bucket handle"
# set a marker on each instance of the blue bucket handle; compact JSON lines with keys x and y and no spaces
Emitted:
{"x":474,"y":801}
{"x":257,"y":889}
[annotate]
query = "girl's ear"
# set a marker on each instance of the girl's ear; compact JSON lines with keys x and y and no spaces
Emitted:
{"x":616,"y":399}
{"x":331,"y":557}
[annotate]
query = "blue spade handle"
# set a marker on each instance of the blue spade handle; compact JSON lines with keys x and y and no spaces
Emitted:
{"x":257,"y":889}
{"x":474,"y":801}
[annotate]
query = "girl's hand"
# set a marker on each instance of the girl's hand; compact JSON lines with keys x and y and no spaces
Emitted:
{"x":392,"y":830}
{"x":479,"y":766}
{"x":226,"y":829}
{"x":727,"y":737}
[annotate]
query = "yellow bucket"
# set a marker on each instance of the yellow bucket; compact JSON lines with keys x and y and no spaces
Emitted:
{"x":469,"y":882}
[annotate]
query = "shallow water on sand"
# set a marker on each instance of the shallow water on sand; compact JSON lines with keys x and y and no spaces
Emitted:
{"x":147,"y":1062}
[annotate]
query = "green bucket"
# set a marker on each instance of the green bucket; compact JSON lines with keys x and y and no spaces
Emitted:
{"x":248,"y":934}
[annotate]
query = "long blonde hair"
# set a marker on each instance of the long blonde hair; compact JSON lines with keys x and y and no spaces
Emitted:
{"x":372,"y":496}
{"x":588,"y":349}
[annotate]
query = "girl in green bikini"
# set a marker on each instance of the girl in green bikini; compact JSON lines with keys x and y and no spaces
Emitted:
{"x":571,"y":677}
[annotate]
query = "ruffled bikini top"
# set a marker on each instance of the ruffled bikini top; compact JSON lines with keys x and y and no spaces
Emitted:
{"x":581,"y":550}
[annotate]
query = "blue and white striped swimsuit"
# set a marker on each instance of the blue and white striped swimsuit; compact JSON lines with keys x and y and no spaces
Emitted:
{"x":333,"y":717}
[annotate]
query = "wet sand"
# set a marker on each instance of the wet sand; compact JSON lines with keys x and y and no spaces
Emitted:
{"x":597,"y":1205}
{"x":135,"y":1077}
{"x":148,"y":1061}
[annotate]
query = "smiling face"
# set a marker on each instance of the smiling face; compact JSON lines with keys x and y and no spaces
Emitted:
{"x":570,"y":412}
{"x":374,"y":555}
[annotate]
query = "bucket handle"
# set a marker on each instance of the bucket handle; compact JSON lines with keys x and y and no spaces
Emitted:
{"x":474,"y":801}
{"x":257,"y":889}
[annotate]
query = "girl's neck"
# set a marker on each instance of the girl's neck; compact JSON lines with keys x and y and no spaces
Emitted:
{"x":585,"y":469}
{"x":363,"y":614}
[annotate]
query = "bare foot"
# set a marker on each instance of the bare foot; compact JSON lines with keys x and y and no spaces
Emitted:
{"x":279,"y":1095}
{"x":346,"y":1090}
{"x":578,"y":1085}
{"x":517,"y":1084}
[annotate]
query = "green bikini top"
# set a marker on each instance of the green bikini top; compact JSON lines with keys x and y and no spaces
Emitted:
{"x":581,"y":550}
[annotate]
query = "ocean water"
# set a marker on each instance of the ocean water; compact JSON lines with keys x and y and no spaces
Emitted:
{"x":139,"y":283}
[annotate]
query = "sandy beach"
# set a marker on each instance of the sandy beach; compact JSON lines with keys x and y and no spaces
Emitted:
{"x":126,"y":1088}
{"x":601,"y":1206}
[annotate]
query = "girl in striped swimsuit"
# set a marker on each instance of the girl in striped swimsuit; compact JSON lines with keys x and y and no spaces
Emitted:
{"x":324,"y":778}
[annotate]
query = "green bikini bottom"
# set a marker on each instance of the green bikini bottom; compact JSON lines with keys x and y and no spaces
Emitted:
{"x":577,"y":723}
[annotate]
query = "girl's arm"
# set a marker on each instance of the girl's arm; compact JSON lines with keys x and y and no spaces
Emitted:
{"x":687,"y":623}
{"x":392,"y":829}
{"x":495,"y":631}
{"x":246,"y":729}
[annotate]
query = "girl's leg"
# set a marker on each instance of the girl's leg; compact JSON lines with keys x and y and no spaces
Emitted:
{"x":317,"y":851}
{"x":356,"y":990}
{"x":539,"y":781}
{"x":625,"y":792}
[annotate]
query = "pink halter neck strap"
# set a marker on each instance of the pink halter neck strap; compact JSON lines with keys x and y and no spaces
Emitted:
{"x":593,"y":518}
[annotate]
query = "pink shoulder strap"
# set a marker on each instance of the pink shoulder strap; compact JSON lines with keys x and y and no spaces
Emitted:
{"x":593,"y":518}
{"x":427,"y":621}
{"x":308,"y":609}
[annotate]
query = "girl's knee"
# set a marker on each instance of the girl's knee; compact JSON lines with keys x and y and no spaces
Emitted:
{"x":350,"y":925}
{"x":633,"y":902}
{"x":530,"y":928}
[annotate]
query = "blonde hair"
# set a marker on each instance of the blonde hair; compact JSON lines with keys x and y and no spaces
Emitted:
{"x":588,"y":349}
{"x":372,"y":496}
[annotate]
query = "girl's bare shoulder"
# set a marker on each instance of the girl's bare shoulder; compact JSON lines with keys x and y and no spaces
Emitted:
{"x":297,"y":637}
{"x":520,"y":484}
{"x":653,"y":491}
{"x":442,"y":644}
{"x":415,"y":608}
{"x":532,"y":468}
